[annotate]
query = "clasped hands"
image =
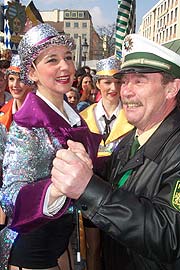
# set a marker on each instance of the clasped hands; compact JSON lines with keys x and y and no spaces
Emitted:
{"x":71,"y":172}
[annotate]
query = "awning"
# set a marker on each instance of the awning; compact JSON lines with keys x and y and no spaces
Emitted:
{"x":173,"y":45}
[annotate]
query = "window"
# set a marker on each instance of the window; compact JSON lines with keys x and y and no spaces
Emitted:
{"x":80,"y":14}
{"x":175,"y":27}
{"x":76,"y":25}
{"x":171,"y":15}
{"x":166,"y":33}
{"x":68,"y":24}
{"x":84,"y":36}
{"x":161,"y":8}
{"x":67,"y":14}
{"x":84,"y":25}
{"x":170,"y":30}
{"x":75,"y":36}
{"x":164,"y":20}
{"x":175,"y":13}
{"x":74,"y":14}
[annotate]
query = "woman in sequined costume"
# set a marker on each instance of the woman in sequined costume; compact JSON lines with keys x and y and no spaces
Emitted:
{"x":18,"y":90}
{"x":40,"y":220}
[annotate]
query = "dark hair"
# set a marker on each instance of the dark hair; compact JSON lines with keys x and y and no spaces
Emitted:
{"x":83,"y":76}
{"x":80,"y":72}
{"x":4,"y":64}
{"x":167,"y":78}
{"x":87,"y":67}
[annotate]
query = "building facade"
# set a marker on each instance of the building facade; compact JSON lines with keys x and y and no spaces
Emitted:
{"x":78,"y":24}
{"x":161,"y":23}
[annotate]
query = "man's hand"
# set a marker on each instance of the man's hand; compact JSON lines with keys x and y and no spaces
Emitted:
{"x":80,"y":151}
{"x":72,"y":170}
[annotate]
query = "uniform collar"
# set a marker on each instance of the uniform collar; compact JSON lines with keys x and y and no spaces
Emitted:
{"x":100,"y":110}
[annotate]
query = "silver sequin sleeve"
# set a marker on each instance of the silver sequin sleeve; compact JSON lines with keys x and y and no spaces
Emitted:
{"x":28,"y":158}
{"x":3,"y":136}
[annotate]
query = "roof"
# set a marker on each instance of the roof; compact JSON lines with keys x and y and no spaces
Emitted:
{"x":173,"y":45}
{"x":59,"y":26}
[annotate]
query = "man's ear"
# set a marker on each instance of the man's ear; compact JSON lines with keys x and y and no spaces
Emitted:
{"x":32,"y":74}
{"x":173,"y":88}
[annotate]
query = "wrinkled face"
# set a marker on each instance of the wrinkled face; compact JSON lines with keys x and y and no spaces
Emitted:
{"x":17,"y":88}
{"x":110,"y":89}
{"x":53,"y":71}
{"x":145,"y":99}
{"x":72,"y":98}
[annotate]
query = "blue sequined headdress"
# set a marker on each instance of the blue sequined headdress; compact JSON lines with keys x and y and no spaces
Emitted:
{"x":15,"y":65}
{"x":35,"y":41}
{"x":107,"y":67}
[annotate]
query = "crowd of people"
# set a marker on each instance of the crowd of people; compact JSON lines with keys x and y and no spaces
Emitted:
{"x":89,"y":158}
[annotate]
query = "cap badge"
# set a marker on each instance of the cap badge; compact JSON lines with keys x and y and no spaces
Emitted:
{"x":128,"y":43}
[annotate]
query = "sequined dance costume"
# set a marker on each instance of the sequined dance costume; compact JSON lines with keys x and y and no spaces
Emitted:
{"x":2,"y":146}
{"x":34,"y":137}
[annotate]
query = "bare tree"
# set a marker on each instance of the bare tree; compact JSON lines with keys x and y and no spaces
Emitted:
{"x":107,"y":33}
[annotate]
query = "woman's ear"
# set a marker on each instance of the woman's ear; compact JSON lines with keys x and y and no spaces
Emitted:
{"x":97,"y":84}
{"x":32,"y":74}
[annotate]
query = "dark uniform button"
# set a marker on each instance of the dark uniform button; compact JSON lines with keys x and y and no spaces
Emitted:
{"x":84,"y":207}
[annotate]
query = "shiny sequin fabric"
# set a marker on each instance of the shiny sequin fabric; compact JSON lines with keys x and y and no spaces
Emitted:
{"x":2,"y":142}
{"x":107,"y":67}
{"x":15,"y":61}
{"x":35,"y":41}
{"x":3,"y":244}
{"x":3,"y":136}
{"x":28,"y":157}
{"x":14,"y":66}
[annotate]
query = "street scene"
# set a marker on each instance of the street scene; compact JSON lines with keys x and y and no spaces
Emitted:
{"x":90,"y":135}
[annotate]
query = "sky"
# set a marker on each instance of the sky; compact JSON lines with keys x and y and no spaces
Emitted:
{"x":103,"y":12}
